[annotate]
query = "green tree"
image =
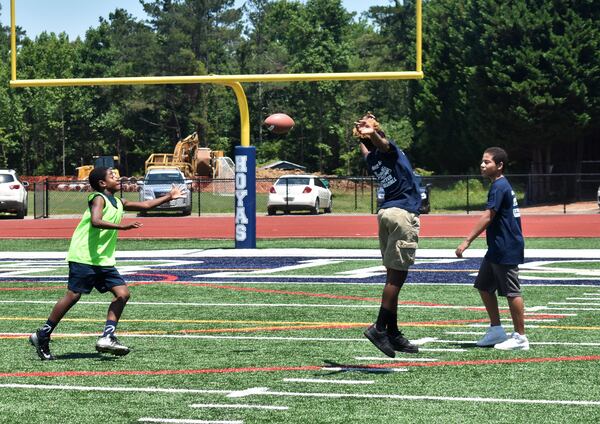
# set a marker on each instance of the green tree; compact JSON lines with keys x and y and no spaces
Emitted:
{"x":314,"y":38}
{"x":54,"y":118}
{"x":197,"y":37}
{"x":522,"y":75}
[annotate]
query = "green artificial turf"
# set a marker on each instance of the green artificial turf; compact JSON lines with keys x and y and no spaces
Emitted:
{"x":229,"y":338}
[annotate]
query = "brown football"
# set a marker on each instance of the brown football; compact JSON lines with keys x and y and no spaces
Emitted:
{"x":279,"y":123}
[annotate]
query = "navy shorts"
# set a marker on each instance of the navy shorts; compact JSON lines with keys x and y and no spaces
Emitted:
{"x":83,"y":278}
{"x":496,"y":277}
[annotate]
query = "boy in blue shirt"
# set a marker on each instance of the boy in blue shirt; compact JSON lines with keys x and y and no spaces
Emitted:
{"x":499,"y":269}
{"x":398,"y":222}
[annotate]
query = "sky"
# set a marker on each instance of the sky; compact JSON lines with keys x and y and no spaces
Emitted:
{"x":76,"y":16}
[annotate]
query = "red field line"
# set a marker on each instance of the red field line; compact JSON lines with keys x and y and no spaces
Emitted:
{"x":274,"y":291}
{"x":302,"y":226}
{"x":295,"y":368}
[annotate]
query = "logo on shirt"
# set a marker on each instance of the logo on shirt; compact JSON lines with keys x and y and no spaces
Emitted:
{"x":383,"y":174}
{"x":516,"y":211}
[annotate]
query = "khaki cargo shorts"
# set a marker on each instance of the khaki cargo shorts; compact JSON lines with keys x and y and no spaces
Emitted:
{"x":398,"y":237}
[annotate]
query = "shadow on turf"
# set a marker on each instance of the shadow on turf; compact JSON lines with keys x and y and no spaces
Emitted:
{"x":469,"y":346}
{"x":79,"y":355}
{"x":353,"y":368}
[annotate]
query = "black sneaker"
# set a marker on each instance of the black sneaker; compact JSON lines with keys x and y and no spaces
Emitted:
{"x":381,"y":340}
{"x":110,"y":344}
{"x":402,"y":344}
{"x":42,"y":346}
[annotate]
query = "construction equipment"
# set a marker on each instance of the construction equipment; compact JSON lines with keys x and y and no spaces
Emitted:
{"x":192,"y":160}
{"x":83,"y":172}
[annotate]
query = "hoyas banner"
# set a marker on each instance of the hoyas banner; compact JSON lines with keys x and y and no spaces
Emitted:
{"x":245,"y":197}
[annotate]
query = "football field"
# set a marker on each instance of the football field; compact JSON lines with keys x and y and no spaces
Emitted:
{"x":274,"y":335}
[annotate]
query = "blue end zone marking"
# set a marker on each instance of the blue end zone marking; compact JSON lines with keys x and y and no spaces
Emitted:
{"x":426,"y":271}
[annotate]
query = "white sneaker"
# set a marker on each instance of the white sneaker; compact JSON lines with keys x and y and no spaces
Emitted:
{"x":110,"y":344}
{"x":516,"y":342}
{"x":494,"y":335}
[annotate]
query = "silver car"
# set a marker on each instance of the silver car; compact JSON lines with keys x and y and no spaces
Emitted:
{"x":13,"y":193}
{"x":158,"y":182}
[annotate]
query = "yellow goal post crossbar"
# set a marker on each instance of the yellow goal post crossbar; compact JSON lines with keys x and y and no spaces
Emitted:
{"x":233,"y":81}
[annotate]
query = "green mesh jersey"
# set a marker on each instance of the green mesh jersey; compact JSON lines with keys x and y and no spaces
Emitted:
{"x":96,"y":246}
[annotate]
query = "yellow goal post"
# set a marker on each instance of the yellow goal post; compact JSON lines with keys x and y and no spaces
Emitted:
{"x":233,"y":81}
{"x":245,"y":155}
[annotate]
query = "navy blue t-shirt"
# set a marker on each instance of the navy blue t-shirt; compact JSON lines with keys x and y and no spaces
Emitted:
{"x":394,"y":173}
{"x":504,"y":235}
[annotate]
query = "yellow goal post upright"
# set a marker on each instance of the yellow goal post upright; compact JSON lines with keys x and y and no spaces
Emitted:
{"x":245,"y":155}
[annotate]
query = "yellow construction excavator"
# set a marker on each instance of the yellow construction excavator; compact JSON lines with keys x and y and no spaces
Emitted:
{"x":83,"y":172}
{"x":193,"y":160}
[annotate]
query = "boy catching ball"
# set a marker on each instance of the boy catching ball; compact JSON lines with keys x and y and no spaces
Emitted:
{"x":398,"y":221}
{"x":91,"y":260}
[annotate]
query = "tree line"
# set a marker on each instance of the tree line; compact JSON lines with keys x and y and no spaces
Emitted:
{"x":523,"y":75}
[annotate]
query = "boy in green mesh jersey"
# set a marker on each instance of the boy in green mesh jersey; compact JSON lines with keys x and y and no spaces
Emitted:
{"x":91,"y":259}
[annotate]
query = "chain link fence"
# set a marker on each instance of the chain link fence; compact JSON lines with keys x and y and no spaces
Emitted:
{"x":448,"y":194}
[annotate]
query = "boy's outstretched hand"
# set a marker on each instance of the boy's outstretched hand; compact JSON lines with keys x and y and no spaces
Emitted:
{"x":131,"y":226}
{"x":178,"y":191}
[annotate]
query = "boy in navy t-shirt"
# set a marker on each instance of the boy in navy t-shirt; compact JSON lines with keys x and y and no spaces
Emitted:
{"x":499,"y":269}
{"x":398,"y":223}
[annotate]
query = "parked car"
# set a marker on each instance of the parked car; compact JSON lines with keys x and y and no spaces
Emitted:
{"x":300,"y":192}
{"x":158,"y":182}
{"x":425,"y":191}
{"x":13,"y":193}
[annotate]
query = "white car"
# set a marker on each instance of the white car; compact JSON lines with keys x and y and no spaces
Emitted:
{"x":13,"y":193}
{"x":300,"y":192}
{"x":158,"y":182}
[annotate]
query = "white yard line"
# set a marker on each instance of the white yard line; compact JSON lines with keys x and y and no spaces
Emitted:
{"x":572,"y":309}
{"x":295,"y":339}
{"x":247,"y":392}
{"x":423,"y":340}
{"x":325,"y":381}
{"x":582,"y":298}
{"x":594,"y":344}
{"x":238,"y":406}
{"x":309,"y":253}
{"x":474,"y":333}
{"x":271,"y":305}
{"x":573,"y":304}
{"x":207,"y":304}
{"x":185,"y":421}
{"x":111,"y":389}
{"x":401,"y":359}
{"x":262,"y":391}
{"x":434,"y":398}
{"x":201,"y":336}
{"x":369,"y":370}
{"x":485,"y":325}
